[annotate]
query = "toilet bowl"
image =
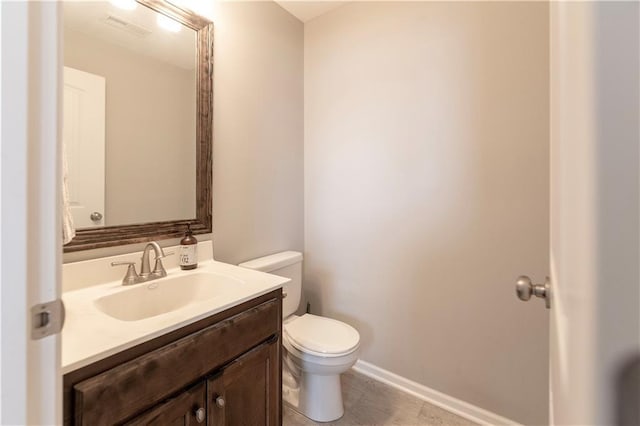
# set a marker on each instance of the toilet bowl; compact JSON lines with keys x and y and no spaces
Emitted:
{"x":316,"y":349}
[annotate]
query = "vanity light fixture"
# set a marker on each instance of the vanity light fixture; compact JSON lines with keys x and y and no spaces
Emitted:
{"x":124,"y":4}
{"x":168,"y":24}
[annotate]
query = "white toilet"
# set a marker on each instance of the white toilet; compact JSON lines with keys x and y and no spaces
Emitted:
{"x":317,"y":349}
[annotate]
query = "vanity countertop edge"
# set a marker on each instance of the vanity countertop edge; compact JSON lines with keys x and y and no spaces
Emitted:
{"x":90,"y":335}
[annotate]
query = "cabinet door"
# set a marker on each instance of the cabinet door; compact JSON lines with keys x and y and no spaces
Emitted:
{"x":248,"y":390}
{"x":186,"y":409}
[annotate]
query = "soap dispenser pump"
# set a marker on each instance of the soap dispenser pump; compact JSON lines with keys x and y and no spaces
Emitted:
{"x":188,"y":250}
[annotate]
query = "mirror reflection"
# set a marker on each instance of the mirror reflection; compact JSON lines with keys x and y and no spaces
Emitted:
{"x":129,"y":114}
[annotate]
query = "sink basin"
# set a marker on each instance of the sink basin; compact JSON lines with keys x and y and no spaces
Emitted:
{"x":146,"y":300}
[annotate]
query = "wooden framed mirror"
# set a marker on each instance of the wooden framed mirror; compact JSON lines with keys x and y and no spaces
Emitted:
{"x":139,"y":183}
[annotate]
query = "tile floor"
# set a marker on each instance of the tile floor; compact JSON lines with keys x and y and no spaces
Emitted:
{"x":369,"y":402}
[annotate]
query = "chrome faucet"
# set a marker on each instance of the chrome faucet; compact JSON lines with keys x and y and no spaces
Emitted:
{"x":145,"y":267}
{"x":132,"y":277}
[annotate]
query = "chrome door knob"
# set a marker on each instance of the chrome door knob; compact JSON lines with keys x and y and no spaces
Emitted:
{"x":96,"y":216}
{"x":525,"y":288}
{"x":200,"y":415}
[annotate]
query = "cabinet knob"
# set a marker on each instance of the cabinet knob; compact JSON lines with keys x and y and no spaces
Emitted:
{"x":220,"y":401}
{"x":200,"y":415}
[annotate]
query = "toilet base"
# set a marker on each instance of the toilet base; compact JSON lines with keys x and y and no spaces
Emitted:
{"x":317,"y":397}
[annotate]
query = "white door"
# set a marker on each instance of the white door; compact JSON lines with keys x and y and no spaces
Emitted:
{"x":83,"y":136}
{"x":595,"y":234}
{"x":30,"y":222}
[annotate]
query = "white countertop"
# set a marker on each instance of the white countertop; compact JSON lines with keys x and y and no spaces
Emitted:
{"x":90,"y":335}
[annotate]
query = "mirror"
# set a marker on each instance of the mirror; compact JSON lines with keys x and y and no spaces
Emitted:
{"x":137,"y":126}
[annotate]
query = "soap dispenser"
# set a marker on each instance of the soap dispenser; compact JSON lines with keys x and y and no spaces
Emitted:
{"x":188,"y":250}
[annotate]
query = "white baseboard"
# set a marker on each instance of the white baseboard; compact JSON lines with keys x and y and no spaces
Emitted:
{"x":449,"y":403}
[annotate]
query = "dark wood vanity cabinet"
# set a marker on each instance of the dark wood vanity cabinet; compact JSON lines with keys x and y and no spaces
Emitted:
{"x":223,"y":370}
{"x":243,"y":394}
{"x":239,"y":395}
{"x":187,"y":408}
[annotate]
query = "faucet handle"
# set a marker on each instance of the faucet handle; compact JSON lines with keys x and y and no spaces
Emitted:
{"x":158,"y":269}
{"x":163,"y":255}
{"x":131,"y":277}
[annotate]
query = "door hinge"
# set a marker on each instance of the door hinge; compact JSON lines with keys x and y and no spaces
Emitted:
{"x":47,"y":319}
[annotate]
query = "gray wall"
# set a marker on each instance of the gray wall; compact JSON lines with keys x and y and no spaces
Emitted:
{"x":258,"y":176}
{"x":426,"y":191}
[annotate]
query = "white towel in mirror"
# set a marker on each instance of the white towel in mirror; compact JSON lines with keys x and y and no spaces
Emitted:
{"x":68,"y":228}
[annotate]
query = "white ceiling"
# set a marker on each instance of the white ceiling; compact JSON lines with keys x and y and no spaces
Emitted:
{"x":307,"y":10}
{"x":90,"y":17}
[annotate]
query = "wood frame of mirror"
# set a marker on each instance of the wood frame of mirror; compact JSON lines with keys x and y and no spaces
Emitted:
{"x":109,"y":236}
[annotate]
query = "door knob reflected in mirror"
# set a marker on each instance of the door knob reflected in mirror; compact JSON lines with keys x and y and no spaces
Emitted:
{"x":525,"y":288}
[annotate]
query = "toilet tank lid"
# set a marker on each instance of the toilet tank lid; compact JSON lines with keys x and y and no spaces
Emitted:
{"x":274,"y":261}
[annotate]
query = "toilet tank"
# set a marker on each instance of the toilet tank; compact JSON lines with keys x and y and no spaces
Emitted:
{"x":286,"y":264}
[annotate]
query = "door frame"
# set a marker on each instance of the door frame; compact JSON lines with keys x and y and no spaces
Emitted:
{"x":30,"y":222}
{"x":595,"y":205}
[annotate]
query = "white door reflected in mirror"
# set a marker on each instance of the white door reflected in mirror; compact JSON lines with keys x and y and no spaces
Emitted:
{"x":83,"y":133}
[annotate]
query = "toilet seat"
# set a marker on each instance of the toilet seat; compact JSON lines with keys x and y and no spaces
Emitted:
{"x":320,"y":336}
